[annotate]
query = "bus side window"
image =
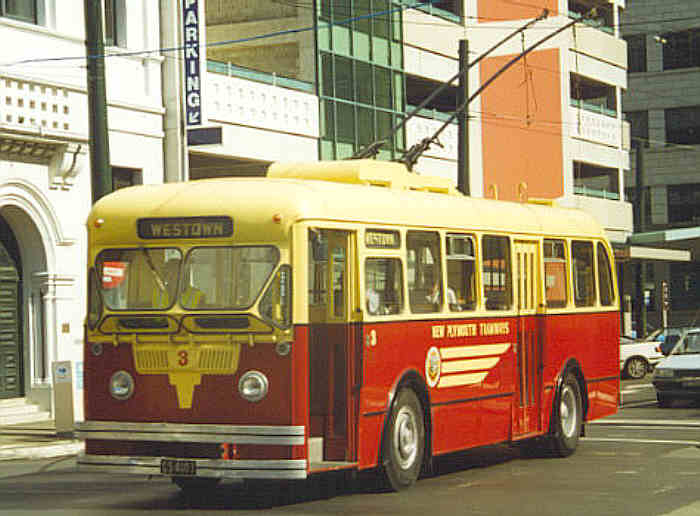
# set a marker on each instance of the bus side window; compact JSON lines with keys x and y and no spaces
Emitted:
{"x":318,"y":263}
{"x":461,"y":274}
{"x":584,"y":286}
{"x":424,"y":271}
{"x":498,"y":286}
{"x":555,"y":273}
{"x":607,"y":297}
{"x":383,"y":286}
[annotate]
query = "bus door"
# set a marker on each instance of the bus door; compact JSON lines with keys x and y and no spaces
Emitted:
{"x":333,"y":347}
{"x":529,"y":344}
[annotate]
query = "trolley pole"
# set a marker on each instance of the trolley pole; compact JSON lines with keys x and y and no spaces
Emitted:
{"x":100,"y":169}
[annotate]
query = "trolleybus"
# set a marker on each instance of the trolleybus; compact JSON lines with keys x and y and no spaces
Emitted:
{"x":338,"y":315}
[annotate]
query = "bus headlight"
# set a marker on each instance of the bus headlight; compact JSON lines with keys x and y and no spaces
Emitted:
{"x":253,"y":386}
{"x":121,"y":385}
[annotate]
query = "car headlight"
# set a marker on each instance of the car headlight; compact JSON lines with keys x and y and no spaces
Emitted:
{"x":663,"y":372}
{"x":121,"y":385}
{"x":253,"y":386}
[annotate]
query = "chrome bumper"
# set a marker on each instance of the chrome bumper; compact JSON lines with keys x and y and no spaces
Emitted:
{"x":209,"y":468}
{"x":286,"y":469}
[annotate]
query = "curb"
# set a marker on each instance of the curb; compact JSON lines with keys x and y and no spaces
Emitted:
{"x":57,"y":449}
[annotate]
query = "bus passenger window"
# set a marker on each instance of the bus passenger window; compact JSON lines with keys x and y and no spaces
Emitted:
{"x":424,"y":271}
{"x":604,"y":276}
{"x":555,"y":273}
{"x":318,"y":263}
{"x":584,"y":286}
{"x":498,"y":287}
{"x":461,"y":274}
{"x":383,"y":286}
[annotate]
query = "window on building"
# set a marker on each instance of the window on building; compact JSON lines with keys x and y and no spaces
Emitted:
{"x":595,"y":181}
{"x":424,"y":270}
{"x":584,"y":284}
{"x":631,"y":196}
{"x":593,"y":95}
{"x":555,"y":273}
{"x":684,"y":286}
{"x":123,"y":177}
{"x":602,"y":18}
{"x":639,"y":127}
{"x":461,"y":273}
{"x":115,"y":23}
{"x":681,"y":49}
{"x":22,"y":10}
{"x":361,"y":103}
{"x":498,"y":285}
{"x":636,"y":53}
{"x":683,"y":204}
{"x":683,"y":125}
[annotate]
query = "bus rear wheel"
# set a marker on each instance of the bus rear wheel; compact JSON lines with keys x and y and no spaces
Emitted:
{"x":568,"y":418}
{"x":404,"y":443}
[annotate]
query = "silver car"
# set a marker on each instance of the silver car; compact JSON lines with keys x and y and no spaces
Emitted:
{"x":678,"y":375}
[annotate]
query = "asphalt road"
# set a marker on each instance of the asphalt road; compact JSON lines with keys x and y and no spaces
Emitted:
{"x":642,"y":461}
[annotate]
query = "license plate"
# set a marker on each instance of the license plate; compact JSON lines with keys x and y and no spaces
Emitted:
{"x":178,"y":467}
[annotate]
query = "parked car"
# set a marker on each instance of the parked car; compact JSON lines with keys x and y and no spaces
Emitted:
{"x":638,"y":357}
{"x":678,"y":375}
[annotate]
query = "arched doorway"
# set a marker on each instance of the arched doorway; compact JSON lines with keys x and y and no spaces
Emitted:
{"x":11,"y":340}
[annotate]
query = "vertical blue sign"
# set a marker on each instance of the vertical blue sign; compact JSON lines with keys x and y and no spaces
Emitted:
{"x":193,"y":79}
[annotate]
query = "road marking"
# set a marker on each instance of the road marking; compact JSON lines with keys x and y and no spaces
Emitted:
{"x":636,"y":388}
{"x":646,"y":422}
{"x":639,"y":441}
{"x":637,"y":404}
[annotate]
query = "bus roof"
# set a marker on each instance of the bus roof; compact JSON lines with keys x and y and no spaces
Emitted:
{"x":364,"y":191}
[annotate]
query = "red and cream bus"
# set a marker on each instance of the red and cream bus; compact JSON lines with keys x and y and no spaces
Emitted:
{"x":338,"y":315}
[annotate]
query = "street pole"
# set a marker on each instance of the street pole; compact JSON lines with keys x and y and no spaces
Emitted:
{"x":641,"y":278}
{"x":463,"y":120}
{"x":100,"y":168}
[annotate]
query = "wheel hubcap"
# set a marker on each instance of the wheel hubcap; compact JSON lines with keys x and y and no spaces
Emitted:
{"x":405,"y":438}
{"x":567,"y":411}
{"x":637,"y":368}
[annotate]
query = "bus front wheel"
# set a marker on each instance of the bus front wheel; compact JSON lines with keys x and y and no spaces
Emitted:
{"x":404,"y":443}
{"x":568,"y":418}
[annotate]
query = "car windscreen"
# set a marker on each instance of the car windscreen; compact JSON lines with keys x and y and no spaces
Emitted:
{"x":689,"y":345}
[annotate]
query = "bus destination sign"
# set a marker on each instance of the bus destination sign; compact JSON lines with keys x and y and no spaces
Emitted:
{"x":185,"y":227}
{"x":382,"y":239}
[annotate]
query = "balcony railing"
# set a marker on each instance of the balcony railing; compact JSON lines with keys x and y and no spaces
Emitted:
{"x":596,"y":128}
{"x":250,"y":98}
{"x":592,"y":192}
{"x":593,"y":107}
{"x":233,"y":70}
{"x":596,"y":23}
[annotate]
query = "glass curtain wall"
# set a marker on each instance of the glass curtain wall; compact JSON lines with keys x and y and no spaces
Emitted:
{"x":360,"y":73}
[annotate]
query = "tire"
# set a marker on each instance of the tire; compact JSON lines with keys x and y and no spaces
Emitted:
{"x":664,"y":401}
{"x":195,"y":484}
{"x":636,"y":368}
{"x":404,"y":442}
{"x":567,"y":418}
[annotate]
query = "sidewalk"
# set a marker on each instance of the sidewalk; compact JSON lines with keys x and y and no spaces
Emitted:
{"x":36,"y":441}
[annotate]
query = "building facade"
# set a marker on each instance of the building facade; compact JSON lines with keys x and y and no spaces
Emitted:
{"x":662,"y":105}
{"x":45,"y":191}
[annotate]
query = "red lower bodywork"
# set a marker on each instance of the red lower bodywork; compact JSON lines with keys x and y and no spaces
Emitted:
{"x":338,"y":382}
